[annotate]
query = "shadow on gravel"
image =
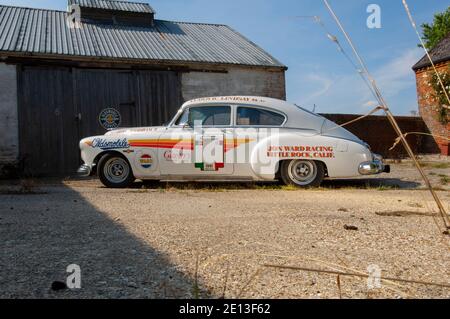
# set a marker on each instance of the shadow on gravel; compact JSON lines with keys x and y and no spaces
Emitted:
{"x":44,"y":229}
{"x":43,"y":233}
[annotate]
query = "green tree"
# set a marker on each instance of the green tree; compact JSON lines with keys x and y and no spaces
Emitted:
{"x":439,"y":29}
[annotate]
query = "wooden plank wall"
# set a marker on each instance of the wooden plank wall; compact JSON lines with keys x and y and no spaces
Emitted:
{"x":58,"y":106}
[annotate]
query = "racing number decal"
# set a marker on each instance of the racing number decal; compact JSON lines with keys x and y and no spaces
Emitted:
{"x":209,"y":152}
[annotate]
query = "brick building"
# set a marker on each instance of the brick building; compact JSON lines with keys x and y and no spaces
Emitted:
{"x":428,"y":105}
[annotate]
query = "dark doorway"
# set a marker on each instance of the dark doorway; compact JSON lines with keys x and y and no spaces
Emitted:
{"x":60,"y":106}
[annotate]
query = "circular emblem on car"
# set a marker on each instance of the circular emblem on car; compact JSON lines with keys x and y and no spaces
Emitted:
{"x":146,"y":161}
{"x":110,"y":119}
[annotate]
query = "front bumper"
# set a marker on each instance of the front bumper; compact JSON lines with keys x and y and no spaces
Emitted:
{"x":374,"y":167}
{"x":84,"y":171}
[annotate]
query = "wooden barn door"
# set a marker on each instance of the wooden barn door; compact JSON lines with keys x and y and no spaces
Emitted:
{"x":60,"y":106}
{"x":97,"y":90}
{"x":48,"y":129}
{"x":143,"y":98}
{"x":159,"y":96}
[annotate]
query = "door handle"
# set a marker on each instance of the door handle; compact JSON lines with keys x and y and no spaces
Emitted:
{"x":78,"y":117}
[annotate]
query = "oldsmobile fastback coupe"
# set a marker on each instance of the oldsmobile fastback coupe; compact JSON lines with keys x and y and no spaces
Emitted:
{"x":232,"y":138}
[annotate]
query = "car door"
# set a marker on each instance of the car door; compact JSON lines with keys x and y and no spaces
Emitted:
{"x":196,"y":143}
{"x":254,"y":125}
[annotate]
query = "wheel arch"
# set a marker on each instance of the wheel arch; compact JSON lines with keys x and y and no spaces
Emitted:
{"x":279,"y":164}
{"x":104,"y":153}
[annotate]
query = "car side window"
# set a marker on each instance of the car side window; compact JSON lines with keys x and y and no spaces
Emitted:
{"x":210,"y":116}
{"x":247,"y":116}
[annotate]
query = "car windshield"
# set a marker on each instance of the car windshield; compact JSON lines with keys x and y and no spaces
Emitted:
{"x":183,"y":119}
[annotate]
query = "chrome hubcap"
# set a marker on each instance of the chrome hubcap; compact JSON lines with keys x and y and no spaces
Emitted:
{"x":116,"y":170}
{"x":302,"y":172}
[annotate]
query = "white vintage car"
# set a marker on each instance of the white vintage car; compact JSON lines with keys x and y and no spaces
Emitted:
{"x":232,"y":138}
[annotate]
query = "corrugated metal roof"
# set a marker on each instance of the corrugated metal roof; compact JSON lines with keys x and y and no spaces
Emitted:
{"x":45,"y":32}
{"x":114,"y":5}
{"x":440,"y":53}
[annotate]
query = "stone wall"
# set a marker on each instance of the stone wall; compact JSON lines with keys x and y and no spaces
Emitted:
{"x":9,"y":125}
{"x":237,"y":81}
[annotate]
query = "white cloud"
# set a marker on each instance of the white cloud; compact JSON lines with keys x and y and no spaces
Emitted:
{"x":348,"y":93}
{"x":396,"y":75}
{"x":322,"y":83}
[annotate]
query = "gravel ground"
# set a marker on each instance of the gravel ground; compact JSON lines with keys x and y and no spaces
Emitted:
{"x":181,"y":241}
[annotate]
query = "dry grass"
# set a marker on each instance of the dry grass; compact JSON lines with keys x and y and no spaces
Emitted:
{"x":444,"y":179}
{"x":435,"y":165}
{"x":213,"y":187}
{"x":260,"y":186}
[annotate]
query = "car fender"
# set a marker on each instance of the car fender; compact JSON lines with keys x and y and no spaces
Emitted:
{"x":341,"y":157}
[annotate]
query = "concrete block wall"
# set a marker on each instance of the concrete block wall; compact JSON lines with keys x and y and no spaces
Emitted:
{"x":428,"y":107}
{"x":237,"y":81}
{"x":9,"y":124}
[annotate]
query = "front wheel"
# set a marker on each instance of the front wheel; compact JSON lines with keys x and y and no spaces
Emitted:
{"x":302,"y":173}
{"x":114,"y":171}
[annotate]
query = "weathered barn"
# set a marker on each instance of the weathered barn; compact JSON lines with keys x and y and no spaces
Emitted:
{"x":59,"y":70}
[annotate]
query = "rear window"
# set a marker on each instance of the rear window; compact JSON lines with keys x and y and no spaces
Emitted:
{"x":247,"y":116}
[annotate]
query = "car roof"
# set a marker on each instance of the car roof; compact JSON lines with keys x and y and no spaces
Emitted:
{"x":241,"y":100}
{"x":297,"y":116}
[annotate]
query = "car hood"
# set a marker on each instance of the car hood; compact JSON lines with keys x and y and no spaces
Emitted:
{"x":136,"y":130}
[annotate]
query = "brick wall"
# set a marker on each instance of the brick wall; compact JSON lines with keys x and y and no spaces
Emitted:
{"x":379,"y":134}
{"x":428,"y":105}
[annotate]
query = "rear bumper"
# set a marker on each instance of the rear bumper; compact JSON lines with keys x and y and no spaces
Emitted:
{"x":373,"y":168}
{"x":84,"y":171}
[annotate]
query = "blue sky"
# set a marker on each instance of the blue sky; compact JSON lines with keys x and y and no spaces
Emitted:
{"x":318,"y":73}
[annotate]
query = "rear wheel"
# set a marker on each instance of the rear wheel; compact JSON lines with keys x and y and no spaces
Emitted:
{"x":302,"y":173}
{"x":115,"y":171}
